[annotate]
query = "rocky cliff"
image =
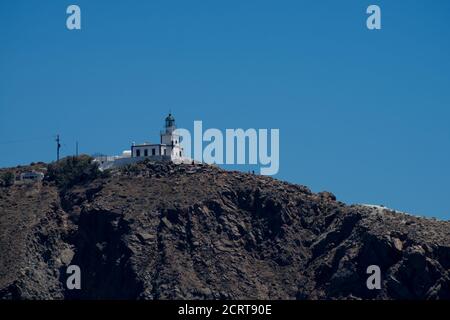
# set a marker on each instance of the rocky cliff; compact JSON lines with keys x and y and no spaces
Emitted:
{"x":164,"y":231}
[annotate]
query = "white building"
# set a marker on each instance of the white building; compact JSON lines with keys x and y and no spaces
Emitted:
{"x":31,"y":176}
{"x":169,"y":149}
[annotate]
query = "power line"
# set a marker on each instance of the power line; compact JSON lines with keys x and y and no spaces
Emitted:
{"x":25,"y":140}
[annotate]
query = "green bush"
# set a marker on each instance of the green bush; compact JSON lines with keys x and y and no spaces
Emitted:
{"x":71,"y":171}
{"x":7,"y":179}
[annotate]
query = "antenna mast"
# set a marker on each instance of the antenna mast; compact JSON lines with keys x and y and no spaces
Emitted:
{"x":58,"y":146}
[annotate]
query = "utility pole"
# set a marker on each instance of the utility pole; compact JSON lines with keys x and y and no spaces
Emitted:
{"x":58,"y":146}
{"x":76,"y":153}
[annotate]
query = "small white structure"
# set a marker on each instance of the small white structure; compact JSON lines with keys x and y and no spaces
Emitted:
{"x":31,"y":176}
{"x":169,"y":149}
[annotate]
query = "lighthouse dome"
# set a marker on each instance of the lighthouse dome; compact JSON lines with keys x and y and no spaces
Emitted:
{"x":170,"y":121}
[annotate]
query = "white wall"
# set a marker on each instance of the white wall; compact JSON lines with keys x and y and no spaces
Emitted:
{"x":148,"y":148}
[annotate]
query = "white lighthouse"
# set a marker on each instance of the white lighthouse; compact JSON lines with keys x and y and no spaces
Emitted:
{"x":169,"y":149}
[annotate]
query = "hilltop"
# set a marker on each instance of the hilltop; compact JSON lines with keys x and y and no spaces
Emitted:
{"x":156,"y":230}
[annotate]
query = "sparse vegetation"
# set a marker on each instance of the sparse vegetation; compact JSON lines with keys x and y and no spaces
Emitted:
{"x":7,"y":179}
{"x":129,"y":169}
{"x":72,"y":170}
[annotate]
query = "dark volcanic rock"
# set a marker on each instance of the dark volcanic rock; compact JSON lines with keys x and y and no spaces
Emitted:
{"x":165,"y":231}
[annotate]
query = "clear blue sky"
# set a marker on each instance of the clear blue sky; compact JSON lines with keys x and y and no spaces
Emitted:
{"x":364,"y":114}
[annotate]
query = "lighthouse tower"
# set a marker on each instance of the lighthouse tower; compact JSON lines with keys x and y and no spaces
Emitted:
{"x":171,"y":139}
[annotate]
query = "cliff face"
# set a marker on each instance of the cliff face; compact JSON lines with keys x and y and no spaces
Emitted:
{"x":164,"y":231}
